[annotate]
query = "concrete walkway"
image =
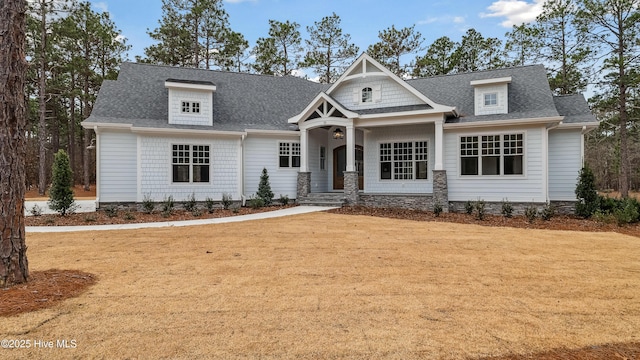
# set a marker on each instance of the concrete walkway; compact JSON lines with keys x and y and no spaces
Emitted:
{"x":258,"y":216}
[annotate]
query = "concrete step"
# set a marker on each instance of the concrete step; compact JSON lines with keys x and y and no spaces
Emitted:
{"x":323,"y":199}
{"x":310,"y":202}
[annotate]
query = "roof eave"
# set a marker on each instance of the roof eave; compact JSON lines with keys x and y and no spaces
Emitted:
{"x":507,"y":122}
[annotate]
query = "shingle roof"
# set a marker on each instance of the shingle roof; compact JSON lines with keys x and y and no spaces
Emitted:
{"x":241,"y":101}
{"x":247,"y":101}
{"x":574,"y":108}
{"x":529,"y":94}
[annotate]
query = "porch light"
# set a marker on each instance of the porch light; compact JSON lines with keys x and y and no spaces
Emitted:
{"x":92,"y":144}
{"x":338,"y":134}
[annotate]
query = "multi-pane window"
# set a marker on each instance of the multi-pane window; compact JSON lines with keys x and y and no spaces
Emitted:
{"x":190,"y":163}
{"x":323,"y":158}
{"x":404,"y":160}
{"x":367,"y":95}
{"x":289,"y":154}
{"x":190,"y":107}
{"x":492,"y":154}
{"x":491,"y":99}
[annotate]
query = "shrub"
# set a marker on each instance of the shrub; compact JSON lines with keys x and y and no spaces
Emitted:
{"x":479,"y":207}
{"x":36,"y":210}
{"x":264,"y":188}
{"x":148,"y":204}
{"x":437,"y":209}
{"x":190,"y":203}
{"x":90,"y":218}
{"x":226,"y":201}
{"x":235,"y":210}
{"x":548,"y":212}
{"x":468,"y":207}
{"x":256,"y":202}
{"x":507,"y":209}
{"x":586,"y":193}
{"x":629,"y":213}
{"x":111,"y":211}
{"x":167,"y":205}
{"x":284,"y":199}
{"x":61,"y":193}
{"x":209,"y":204}
{"x":129,"y":216}
{"x":196,"y":212}
{"x":531,"y":212}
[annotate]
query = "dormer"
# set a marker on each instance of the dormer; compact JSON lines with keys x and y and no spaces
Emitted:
{"x":190,"y":102}
{"x":491,"y":96}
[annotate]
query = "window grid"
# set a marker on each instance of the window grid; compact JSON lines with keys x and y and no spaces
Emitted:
{"x":186,"y":106}
{"x":491,"y":145}
{"x":491,"y":99}
{"x":180,"y":154}
{"x":385,"y":152}
{"x":323,"y":158}
{"x":421,"y":150}
{"x":201,"y":154}
{"x":289,"y":154}
{"x":507,"y":149}
{"x":469,"y":146}
{"x":367,"y":95}
{"x":195,"y":107}
{"x":513,"y":144}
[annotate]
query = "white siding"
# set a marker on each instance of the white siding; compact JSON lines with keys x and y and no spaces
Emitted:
{"x":372,"y":181}
{"x":502,"y":107}
{"x":118,"y":167}
{"x":156,"y":169}
{"x":390,"y":94}
{"x":263,"y":152}
{"x":564,"y":163}
{"x":516,"y":188}
{"x":176,"y":116}
{"x":319,"y":178}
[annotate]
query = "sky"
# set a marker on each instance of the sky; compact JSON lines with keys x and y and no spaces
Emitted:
{"x":362,"y":19}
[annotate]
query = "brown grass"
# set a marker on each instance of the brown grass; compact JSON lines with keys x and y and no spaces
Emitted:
{"x":334,"y":286}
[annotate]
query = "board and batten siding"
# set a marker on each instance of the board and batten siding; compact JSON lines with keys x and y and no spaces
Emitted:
{"x":373,"y":138}
{"x":264,"y":152}
{"x":529,"y":187}
{"x":390,"y":94}
{"x":118,"y":167}
{"x":564,"y":163}
{"x":156,"y":169}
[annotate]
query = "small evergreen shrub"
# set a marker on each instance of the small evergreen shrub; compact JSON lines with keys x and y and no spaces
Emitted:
{"x":507,"y":209}
{"x":628,"y":213}
{"x":190,"y":203}
{"x":167,"y":205}
{"x":61,"y":193}
{"x":196,"y":212}
{"x":111,"y":211}
{"x":148,"y":204}
{"x":226,"y":201}
{"x":210,"y":205}
{"x":531,"y":212}
{"x":235,"y":210}
{"x":256,"y":202}
{"x":468,"y":207}
{"x":264,"y":188}
{"x":284,"y":199}
{"x":36,"y":210}
{"x":90,"y":218}
{"x":128,"y":216}
{"x":479,"y":208}
{"x":548,"y":212}
{"x":437,"y":209}
{"x":586,"y":193}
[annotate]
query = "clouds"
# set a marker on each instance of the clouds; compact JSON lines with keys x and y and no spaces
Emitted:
{"x":100,"y":6}
{"x":516,"y":12}
{"x":442,"y":20}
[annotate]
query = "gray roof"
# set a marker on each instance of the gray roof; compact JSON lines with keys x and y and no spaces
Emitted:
{"x":247,"y":101}
{"x":574,"y":108}
{"x":241,"y":101}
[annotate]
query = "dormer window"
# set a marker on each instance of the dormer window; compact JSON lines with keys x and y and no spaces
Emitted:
{"x":491,"y":99}
{"x":367,"y":95}
{"x":191,"y":107}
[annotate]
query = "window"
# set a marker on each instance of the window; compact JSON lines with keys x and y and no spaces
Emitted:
{"x":498,"y":154}
{"x":323,"y":158}
{"x":404,"y":160}
{"x":190,"y":107}
{"x":190,"y":163}
{"x":367,"y":95}
{"x":491,"y":99}
{"x":289,"y":154}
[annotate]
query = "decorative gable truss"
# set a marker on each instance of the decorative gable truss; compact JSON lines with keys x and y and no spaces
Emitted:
{"x":323,"y":107}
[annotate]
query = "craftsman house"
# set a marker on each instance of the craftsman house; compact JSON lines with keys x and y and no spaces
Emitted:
{"x":370,"y":138}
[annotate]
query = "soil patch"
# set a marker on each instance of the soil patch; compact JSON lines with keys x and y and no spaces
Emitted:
{"x":44,"y":289}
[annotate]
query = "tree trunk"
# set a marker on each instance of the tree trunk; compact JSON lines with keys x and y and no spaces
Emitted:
{"x":42,"y":84}
{"x":14,"y":267}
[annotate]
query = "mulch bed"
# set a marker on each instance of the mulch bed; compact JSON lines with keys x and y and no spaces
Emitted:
{"x":44,"y":289}
{"x":558,"y":222}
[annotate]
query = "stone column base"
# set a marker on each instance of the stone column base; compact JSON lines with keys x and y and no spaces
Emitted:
{"x":440,"y":189}
{"x":304,"y":185}
{"x":351,"y":187}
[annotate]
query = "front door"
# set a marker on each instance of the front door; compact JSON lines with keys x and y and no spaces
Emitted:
{"x":340,"y":166}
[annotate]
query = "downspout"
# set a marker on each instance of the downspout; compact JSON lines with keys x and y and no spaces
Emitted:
{"x":243,"y":198}
{"x":546,"y":180}
{"x":97,"y":153}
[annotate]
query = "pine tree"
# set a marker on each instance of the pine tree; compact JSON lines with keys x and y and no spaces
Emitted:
{"x":586,"y":193}
{"x":264,"y":188}
{"x":61,"y":194}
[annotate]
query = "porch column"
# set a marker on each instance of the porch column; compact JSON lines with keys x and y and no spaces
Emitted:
{"x":351,"y":148}
{"x":439,"y":146}
{"x":304,"y":151}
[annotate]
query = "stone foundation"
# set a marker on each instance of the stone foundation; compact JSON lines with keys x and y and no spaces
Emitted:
{"x":440,"y":189}
{"x":304,"y":185}
{"x":422,"y":202}
{"x":495,"y":208}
